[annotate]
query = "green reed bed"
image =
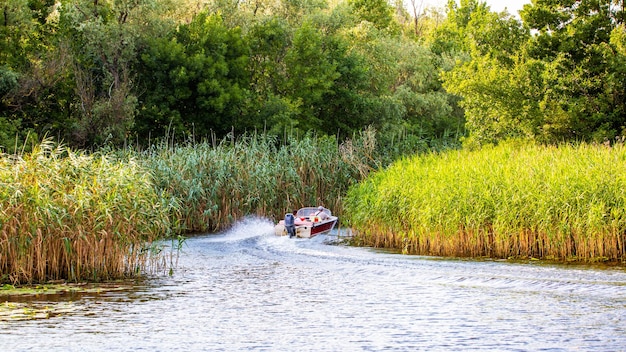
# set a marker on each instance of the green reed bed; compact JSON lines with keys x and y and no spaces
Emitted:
{"x":216,"y":184}
{"x":520,"y":201}
{"x":65,"y":215}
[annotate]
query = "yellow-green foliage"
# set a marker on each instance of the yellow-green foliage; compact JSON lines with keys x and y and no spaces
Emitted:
{"x":566,"y":203}
{"x":68,"y":215}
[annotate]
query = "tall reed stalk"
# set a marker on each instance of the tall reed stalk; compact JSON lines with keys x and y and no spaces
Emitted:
{"x":562,"y":203}
{"x":75,"y":216}
{"x":219,"y":183}
{"x":71,"y":216}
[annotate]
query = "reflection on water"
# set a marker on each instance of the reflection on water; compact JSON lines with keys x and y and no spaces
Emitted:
{"x":246,"y":289}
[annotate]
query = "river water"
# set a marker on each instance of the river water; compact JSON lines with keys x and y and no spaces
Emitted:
{"x":246,"y":289}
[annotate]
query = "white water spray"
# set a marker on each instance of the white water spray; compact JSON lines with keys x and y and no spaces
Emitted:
{"x":248,"y":227}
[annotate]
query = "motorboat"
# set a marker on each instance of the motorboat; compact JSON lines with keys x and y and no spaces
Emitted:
{"x":309,"y":222}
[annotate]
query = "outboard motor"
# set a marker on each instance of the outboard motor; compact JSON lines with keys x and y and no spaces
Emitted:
{"x":290,"y":224}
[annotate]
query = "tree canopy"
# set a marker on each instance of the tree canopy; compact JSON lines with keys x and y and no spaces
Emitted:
{"x":559,"y":79}
{"x":117,"y":71}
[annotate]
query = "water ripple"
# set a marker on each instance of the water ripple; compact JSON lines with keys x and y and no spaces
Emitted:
{"x":246,"y":289}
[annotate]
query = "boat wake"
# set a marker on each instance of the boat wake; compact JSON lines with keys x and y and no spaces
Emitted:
{"x":248,"y":227}
{"x":252,"y":241}
{"x":248,"y":289}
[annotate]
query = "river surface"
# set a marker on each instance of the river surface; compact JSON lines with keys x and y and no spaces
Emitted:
{"x":246,"y":289}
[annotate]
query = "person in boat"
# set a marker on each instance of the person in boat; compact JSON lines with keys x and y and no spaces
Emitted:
{"x":290,"y":224}
{"x":321,"y":213}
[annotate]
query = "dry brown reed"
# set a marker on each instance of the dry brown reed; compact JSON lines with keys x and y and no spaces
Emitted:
{"x":70,"y":216}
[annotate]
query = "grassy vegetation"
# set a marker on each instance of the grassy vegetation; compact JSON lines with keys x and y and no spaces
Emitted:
{"x":560,"y":203}
{"x":72,"y":216}
{"x":216,"y":184}
{"x":68,"y":215}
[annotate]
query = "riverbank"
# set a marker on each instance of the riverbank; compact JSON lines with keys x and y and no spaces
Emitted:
{"x":79,"y":217}
{"x":68,"y":215}
{"x":562,"y":203}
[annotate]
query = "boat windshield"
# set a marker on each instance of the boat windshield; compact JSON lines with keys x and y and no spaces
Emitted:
{"x":310,"y":211}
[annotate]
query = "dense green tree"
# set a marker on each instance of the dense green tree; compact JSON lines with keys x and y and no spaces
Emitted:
{"x":567,"y":26}
{"x":348,"y":104}
{"x":583,"y":97}
{"x":15,"y":21}
{"x":106,"y":71}
{"x":406,"y":93}
{"x":102,"y":37}
{"x":500,"y":102}
{"x":453,"y":35}
{"x":377,"y":12}
{"x":310,"y":74}
{"x":34,"y":94}
{"x":295,"y":11}
{"x":561,"y":83}
{"x":269,"y":40}
{"x":196,"y":80}
{"x":495,"y":95}
{"x":471,"y":27}
{"x":616,"y":82}
{"x":23,"y":25}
